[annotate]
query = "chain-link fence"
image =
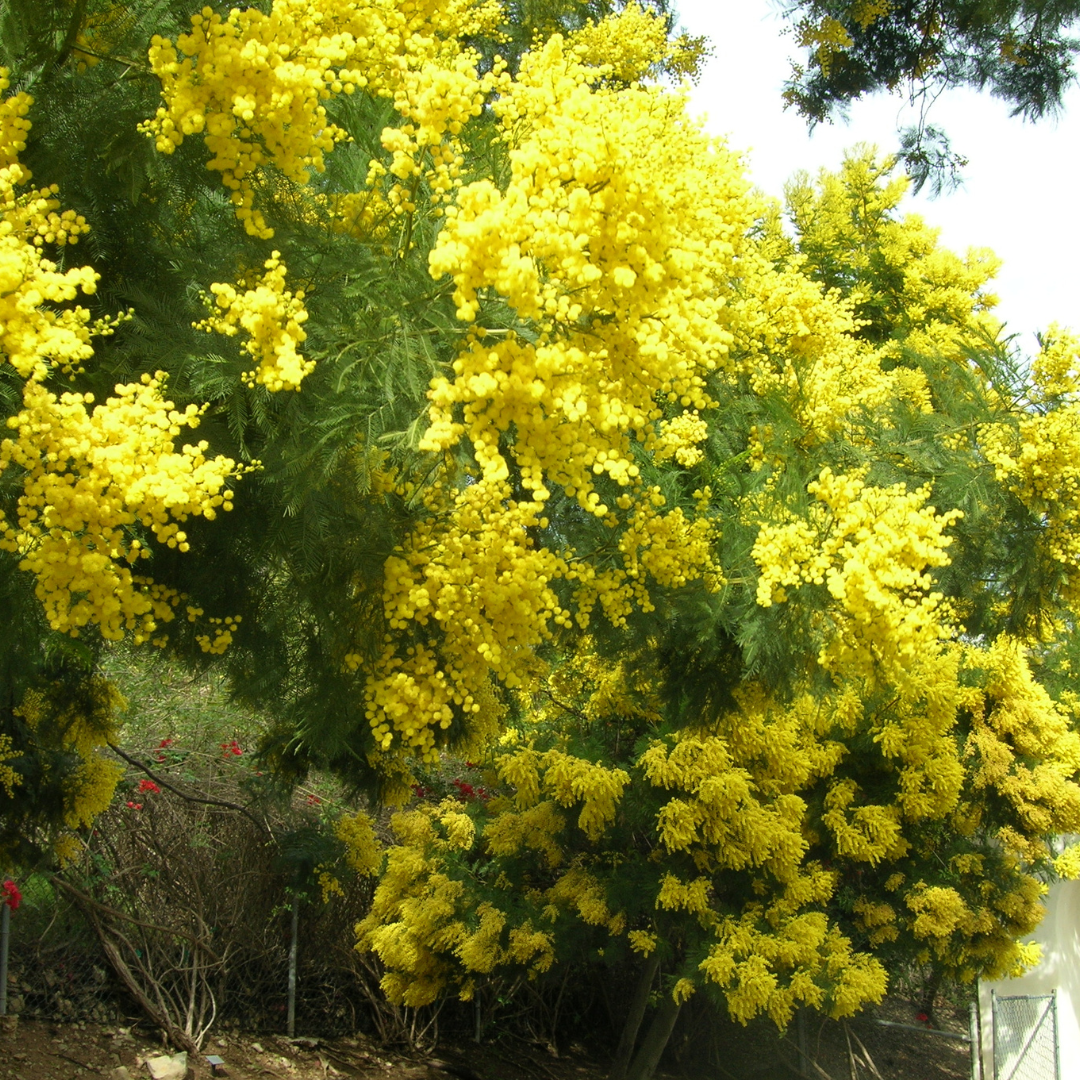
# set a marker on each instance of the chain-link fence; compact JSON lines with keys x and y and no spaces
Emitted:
{"x":1025,"y":1037}
{"x":180,"y":910}
{"x":65,"y":950}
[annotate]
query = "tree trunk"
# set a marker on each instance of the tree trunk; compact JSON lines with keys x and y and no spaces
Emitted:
{"x":632,"y":1024}
{"x":930,"y":993}
{"x":656,"y":1038}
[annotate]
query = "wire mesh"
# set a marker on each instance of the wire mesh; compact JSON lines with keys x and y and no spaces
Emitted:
{"x":1025,"y":1037}
{"x":56,"y":970}
{"x":59,"y":971}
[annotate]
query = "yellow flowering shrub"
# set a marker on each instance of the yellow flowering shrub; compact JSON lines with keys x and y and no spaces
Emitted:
{"x":426,"y":924}
{"x":64,"y":728}
{"x":819,"y":968}
{"x":697,"y":530}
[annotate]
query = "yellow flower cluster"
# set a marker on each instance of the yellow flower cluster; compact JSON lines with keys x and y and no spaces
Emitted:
{"x":363,"y":852}
{"x":627,"y":45}
{"x":868,"y":833}
{"x":422,"y":924}
{"x":912,"y":295}
{"x":617,"y":220}
{"x":679,"y":439}
{"x":569,"y":780}
{"x":81,"y":728}
{"x":254,"y":84}
{"x":720,"y":815}
{"x":9,"y":778}
{"x":825,"y":38}
{"x":533,"y":828}
{"x":872,"y":548}
{"x":877,"y":920}
{"x":33,"y":336}
{"x":91,"y":479}
{"x":1017,"y":723}
{"x":272,"y":317}
{"x":583,"y":894}
{"x":222,"y":634}
{"x":488,"y":588}
{"x":1037,"y":457}
{"x":1056,"y":368}
{"x":773,"y":968}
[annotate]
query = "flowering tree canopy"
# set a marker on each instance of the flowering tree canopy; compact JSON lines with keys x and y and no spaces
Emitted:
{"x":458,"y":403}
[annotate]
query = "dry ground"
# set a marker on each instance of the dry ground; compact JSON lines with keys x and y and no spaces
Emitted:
{"x":43,"y":1050}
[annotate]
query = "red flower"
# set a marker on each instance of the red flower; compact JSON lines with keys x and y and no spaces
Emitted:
{"x":231,"y":749}
{"x":162,"y":747}
{"x":923,"y":1017}
{"x":313,"y":800}
{"x":134,"y":805}
{"x":10,"y":895}
{"x":467,"y":791}
{"x":149,"y":785}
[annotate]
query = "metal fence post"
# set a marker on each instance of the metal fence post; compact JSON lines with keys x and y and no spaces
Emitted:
{"x":5,"y":938}
{"x":1057,"y":1047}
{"x":973,"y":1035}
{"x":290,"y":1023}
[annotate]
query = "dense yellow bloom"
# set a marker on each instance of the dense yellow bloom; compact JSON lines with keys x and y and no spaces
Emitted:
{"x":1025,"y":749}
{"x":95,"y":483}
{"x":616,"y":225}
{"x":536,"y":828}
{"x":253,"y":84}
{"x":627,"y":45}
{"x":78,"y":728}
{"x":33,"y":335}
{"x":801,"y":960}
{"x":272,"y":317}
{"x":9,"y":778}
{"x":362,"y":849}
{"x":1035,"y":456}
{"x":872,"y":548}
{"x":421,"y":923}
{"x":92,"y":479}
{"x":570,"y":781}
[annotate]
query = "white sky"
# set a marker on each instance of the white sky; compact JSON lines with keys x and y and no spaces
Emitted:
{"x":1020,"y":195}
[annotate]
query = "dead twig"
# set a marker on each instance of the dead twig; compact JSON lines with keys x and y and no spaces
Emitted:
{"x":867,"y":1059}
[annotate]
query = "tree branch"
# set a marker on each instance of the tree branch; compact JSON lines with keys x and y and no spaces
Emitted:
{"x":134,"y":762}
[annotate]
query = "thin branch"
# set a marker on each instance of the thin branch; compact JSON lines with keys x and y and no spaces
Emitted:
{"x":97,"y":905}
{"x":158,"y":779}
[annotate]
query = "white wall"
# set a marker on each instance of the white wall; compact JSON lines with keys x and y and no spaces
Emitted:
{"x":1059,"y":935}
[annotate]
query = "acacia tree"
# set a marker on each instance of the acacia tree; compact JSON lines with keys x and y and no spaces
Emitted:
{"x":850,"y":757}
{"x":1023,"y":51}
{"x":742,"y":558}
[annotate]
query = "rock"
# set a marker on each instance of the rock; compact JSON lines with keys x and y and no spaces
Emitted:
{"x":257,"y":1047}
{"x":120,"y":1073}
{"x":168,"y":1066}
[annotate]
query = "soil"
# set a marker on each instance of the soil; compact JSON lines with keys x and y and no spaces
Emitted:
{"x":865,"y":1050}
